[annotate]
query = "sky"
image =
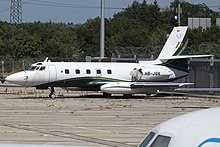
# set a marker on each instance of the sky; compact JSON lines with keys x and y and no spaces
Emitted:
{"x":77,"y":11}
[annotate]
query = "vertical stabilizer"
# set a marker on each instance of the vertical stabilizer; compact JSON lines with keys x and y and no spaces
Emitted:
{"x":176,"y":44}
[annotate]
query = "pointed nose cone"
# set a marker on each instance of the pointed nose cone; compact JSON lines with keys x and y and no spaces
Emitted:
{"x":19,"y":78}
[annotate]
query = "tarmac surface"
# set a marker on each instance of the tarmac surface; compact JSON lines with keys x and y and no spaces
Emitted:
{"x":27,"y":116}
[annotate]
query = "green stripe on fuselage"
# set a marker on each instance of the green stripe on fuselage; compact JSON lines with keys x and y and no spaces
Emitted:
{"x":83,"y":82}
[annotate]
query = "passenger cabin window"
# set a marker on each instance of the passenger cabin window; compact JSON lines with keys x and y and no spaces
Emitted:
{"x":77,"y":71}
{"x":146,"y":141}
{"x":37,"y":68}
{"x":67,"y":71}
{"x":88,"y":71}
{"x":161,"y":141}
{"x":109,"y":71}
{"x":98,"y":71}
{"x":42,"y":68}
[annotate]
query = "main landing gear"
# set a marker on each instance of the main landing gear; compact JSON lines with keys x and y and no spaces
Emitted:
{"x":52,"y":93}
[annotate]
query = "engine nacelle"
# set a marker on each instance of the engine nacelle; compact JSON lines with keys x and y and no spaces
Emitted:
{"x":126,"y":88}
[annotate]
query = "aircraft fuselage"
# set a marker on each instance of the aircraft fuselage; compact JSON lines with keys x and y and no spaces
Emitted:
{"x":89,"y":75}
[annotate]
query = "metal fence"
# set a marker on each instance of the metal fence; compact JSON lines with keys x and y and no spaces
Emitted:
{"x":11,"y":66}
{"x":204,"y":73}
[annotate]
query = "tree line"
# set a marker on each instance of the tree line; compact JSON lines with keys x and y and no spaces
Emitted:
{"x":138,"y":25}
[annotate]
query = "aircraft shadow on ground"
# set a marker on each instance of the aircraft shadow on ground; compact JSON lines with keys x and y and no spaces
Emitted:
{"x":92,"y":96}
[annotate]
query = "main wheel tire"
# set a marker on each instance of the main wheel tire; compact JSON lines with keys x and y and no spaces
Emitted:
{"x":52,"y":95}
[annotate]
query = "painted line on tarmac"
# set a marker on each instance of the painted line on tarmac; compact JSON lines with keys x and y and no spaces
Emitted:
{"x":59,"y":124}
{"x":97,"y":130}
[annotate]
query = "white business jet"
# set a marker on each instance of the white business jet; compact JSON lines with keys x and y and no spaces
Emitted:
{"x":195,"y":129}
{"x":144,"y":77}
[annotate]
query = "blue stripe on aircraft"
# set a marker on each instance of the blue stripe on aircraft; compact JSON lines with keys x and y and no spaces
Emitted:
{"x":216,"y":140}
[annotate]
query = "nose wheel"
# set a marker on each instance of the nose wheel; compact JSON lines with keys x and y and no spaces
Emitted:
{"x":52,"y":93}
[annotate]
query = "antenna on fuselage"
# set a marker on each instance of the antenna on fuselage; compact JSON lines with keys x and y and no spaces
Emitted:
{"x":46,"y":60}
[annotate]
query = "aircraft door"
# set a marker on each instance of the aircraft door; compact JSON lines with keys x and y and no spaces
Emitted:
{"x":52,"y":73}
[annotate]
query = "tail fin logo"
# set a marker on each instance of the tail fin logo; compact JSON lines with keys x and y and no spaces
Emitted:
{"x":178,"y":35}
{"x":176,"y":44}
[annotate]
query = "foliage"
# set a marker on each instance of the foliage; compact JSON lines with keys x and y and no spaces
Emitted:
{"x":138,"y":25}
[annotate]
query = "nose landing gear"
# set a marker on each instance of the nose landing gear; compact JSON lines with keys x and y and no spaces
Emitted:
{"x":52,"y":93}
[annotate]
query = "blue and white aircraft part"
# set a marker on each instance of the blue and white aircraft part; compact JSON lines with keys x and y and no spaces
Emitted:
{"x":196,"y":129}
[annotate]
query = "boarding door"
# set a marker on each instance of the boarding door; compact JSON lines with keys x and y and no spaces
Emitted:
{"x":52,"y":73}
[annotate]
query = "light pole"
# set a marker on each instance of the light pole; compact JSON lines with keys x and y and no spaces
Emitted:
{"x":102,"y":30}
{"x":179,"y":13}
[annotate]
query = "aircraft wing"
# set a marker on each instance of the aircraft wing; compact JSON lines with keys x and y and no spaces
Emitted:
{"x":198,"y":89}
{"x":159,"y":84}
{"x":139,"y":87}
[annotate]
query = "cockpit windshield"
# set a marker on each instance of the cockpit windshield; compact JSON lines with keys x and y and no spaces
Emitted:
{"x":32,"y":68}
{"x":146,"y":141}
{"x":42,"y":68}
{"x":159,"y":141}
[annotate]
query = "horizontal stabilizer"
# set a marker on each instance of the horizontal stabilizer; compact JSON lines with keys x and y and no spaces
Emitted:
{"x":184,"y":57}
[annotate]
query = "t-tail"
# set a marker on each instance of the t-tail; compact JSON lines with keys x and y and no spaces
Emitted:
{"x":175,"y":53}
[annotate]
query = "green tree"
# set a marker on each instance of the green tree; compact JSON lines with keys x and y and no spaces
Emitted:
{"x":26,"y":46}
